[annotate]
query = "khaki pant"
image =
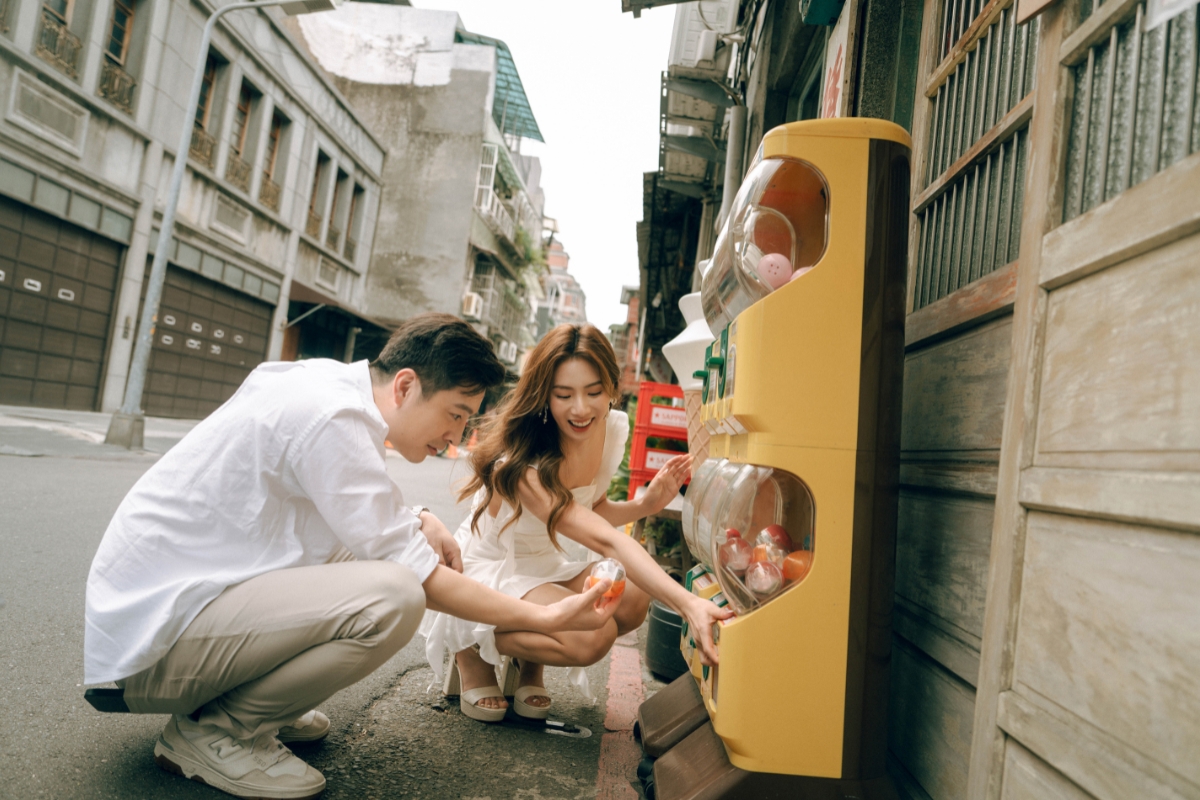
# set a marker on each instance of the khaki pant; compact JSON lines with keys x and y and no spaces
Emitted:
{"x":268,"y":650}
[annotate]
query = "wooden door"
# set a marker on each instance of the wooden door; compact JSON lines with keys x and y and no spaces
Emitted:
{"x":971,"y":156}
{"x":1089,"y":680}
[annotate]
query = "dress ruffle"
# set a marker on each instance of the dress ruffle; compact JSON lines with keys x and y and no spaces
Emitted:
{"x":517,"y":560}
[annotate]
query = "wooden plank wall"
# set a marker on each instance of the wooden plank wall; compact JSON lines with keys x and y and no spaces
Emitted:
{"x":1089,"y":680}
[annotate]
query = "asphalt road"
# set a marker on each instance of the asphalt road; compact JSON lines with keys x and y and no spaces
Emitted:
{"x":391,"y":737}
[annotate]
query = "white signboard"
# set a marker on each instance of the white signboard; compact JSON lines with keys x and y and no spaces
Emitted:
{"x":1160,"y":11}
{"x":657,"y":459}
{"x":669,"y":417}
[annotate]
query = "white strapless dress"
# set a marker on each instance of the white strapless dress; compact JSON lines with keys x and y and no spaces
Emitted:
{"x":519,"y":559}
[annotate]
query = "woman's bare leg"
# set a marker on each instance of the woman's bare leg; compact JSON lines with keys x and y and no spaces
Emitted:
{"x":569,"y":648}
{"x":475,"y":672}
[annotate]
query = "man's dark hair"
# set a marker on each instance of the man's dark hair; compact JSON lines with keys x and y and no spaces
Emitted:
{"x":444,"y":351}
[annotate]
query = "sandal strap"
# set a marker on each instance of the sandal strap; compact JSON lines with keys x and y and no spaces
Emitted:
{"x":473,"y":696}
{"x":526,"y":692}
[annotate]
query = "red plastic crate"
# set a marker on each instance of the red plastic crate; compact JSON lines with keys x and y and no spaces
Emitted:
{"x":654,"y":420}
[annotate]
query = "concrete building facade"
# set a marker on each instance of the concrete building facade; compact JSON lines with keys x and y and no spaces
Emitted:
{"x":461,"y":214}
{"x":563,"y":298}
{"x":279,"y":201}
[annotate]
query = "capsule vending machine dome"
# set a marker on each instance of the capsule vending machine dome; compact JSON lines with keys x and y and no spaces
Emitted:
{"x":792,"y":519}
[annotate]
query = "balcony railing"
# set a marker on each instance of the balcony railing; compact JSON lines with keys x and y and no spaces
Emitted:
{"x":237,"y":172}
{"x":116,"y":86}
{"x":495,"y":214}
{"x":313,"y":227}
{"x":203,"y":146}
{"x":57,"y":45}
{"x":332,"y":236}
{"x":350,"y":249}
{"x":4,"y":5}
{"x":268,"y":193}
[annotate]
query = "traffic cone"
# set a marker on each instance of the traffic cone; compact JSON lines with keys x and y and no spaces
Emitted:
{"x":474,"y":440}
{"x":452,"y":451}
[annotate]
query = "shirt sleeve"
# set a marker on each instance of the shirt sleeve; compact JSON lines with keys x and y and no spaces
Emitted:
{"x":338,"y":465}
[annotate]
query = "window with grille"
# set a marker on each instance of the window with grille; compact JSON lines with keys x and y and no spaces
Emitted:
{"x":271,"y":160}
{"x":1135,"y":110}
{"x":119,"y":31}
{"x":981,"y":102}
{"x":60,"y":8}
{"x":241,"y":119}
{"x":207,"y":85}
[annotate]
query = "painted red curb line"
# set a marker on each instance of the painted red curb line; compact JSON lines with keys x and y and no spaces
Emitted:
{"x":619,"y":754}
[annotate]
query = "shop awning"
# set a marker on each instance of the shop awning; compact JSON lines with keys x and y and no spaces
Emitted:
{"x":511,"y":107}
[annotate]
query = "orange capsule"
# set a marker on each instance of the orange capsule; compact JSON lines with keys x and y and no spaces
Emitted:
{"x":616,"y":590}
{"x":796,"y":565}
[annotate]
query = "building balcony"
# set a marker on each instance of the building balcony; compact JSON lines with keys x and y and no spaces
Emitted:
{"x":350,"y":250}
{"x":57,"y":45}
{"x":116,"y":85}
{"x":203,"y":147}
{"x":332,"y":238}
{"x":495,"y":214}
{"x":237,"y":172}
{"x":269,"y":193}
{"x":313,"y":226}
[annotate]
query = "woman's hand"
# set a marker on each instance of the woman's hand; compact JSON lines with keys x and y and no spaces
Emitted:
{"x":701,"y":614}
{"x":666,"y":484}
{"x":585,"y":611}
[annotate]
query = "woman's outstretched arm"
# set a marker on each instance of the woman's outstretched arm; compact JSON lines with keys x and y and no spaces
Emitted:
{"x":583,"y":525}
{"x":661,"y":491}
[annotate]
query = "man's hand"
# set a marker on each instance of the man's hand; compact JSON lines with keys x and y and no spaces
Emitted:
{"x":442,"y":541}
{"x":582,"y":612}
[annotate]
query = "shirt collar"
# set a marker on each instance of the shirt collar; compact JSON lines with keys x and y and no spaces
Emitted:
{"x":361,"y":371}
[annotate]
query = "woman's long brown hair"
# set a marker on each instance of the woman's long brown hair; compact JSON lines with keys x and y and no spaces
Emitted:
{"x":515,"y":437}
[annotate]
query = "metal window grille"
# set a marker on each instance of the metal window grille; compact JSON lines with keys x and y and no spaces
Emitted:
{"x":1135,"y":109}
{"x":990,"y":81}
{"x":977,"y":150}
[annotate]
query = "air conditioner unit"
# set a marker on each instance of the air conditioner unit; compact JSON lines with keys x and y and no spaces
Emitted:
{"x":508,"y":351}
{"x":696,"y":49}
{"x":472,"y":306}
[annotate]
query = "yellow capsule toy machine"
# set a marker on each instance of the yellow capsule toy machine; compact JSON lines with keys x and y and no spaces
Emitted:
{"x":792,"y":519}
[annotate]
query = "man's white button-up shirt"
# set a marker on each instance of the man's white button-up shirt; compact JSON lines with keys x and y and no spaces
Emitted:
{"x":282,"y":475}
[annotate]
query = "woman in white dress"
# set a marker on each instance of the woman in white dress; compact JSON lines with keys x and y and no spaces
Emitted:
{"x":541,"y":469}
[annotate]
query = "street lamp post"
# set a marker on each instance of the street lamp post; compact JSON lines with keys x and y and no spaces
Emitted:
{"x":127,"y":427}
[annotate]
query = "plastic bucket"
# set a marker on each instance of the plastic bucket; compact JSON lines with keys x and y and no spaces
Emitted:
{"x":662,"y":643}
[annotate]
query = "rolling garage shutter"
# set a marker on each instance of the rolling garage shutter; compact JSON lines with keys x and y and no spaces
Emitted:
{"x":57,"y":283}
{"x":207,"y":340}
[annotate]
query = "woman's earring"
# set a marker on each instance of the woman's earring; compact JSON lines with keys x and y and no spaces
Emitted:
{"x":545,"y":410}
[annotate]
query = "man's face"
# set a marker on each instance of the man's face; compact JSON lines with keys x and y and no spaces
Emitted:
{"x":420,"y":426}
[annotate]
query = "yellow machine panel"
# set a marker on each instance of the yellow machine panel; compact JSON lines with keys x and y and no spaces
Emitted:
{"x":794,"y":512}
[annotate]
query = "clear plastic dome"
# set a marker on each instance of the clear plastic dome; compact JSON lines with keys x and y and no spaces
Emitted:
{"x":770,"y":511}
{"x":776,"y":231}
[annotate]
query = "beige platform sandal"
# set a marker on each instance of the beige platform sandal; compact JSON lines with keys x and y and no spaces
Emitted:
{"x":520,"y":694}
{"x":468,"y":700}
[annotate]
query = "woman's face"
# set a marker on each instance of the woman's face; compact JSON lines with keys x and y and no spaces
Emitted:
{"x":578,"y":402}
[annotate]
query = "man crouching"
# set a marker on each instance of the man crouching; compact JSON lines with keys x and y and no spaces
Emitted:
{"x":268,"y":561}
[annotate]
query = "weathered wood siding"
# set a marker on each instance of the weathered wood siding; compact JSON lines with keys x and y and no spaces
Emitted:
{"x":1089,"y":679}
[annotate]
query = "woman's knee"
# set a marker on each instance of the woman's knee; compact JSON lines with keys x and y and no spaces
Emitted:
{"x":596,"y":644}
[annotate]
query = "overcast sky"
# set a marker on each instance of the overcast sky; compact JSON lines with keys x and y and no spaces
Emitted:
{"x":592,"y":77}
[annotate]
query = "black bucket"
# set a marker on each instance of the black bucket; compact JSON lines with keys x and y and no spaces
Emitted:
{"x":662,"y":643}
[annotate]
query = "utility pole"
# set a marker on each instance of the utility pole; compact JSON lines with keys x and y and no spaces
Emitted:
{"x":128,"y":424}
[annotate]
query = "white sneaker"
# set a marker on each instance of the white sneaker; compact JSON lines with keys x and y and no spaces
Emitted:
{"x":312,"y":727}
{"x":250,"y":768}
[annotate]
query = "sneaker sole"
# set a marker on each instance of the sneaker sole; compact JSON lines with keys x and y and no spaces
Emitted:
{"x":302,"y":739}
{"x":229,"y":787}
